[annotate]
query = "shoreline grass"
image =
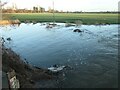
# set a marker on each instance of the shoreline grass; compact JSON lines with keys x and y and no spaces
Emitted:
{"x":86,"y":18}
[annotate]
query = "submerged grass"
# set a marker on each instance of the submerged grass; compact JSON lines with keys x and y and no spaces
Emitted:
{"x":86,"y":18}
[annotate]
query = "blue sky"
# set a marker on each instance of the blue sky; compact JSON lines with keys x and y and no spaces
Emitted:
{"x":68,"y":5}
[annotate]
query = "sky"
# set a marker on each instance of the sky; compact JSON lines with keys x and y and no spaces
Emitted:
{"x":68,"y":5}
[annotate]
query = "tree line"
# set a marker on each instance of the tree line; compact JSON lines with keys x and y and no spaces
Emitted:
{"x":42,"y":10}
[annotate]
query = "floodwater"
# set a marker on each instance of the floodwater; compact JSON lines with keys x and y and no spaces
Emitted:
{"x":92,"y":54}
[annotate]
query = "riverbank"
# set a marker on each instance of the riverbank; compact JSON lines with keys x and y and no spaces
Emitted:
{"x":28,"y":76}
{"x":7,"y":22}
{"x":85,"y":18}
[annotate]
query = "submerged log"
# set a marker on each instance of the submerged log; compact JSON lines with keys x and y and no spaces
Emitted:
{"x":77,"y":30}
{"x":9,"y":39}
{"x":69,"y":25}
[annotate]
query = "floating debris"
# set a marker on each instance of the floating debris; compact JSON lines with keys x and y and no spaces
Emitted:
{"x":9,"y":39}
{"x":69,"y":24}
{"x":56,"y":68}
{"x":51,"y":25}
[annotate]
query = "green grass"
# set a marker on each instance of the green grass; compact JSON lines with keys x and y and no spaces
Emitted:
{"x":86,"y":18}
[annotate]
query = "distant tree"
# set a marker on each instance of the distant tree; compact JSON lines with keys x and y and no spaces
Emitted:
{"x":1,"y":5}
{"x":41,"y":9}
{"x":35,"y":9}
{"x":38,"y":9}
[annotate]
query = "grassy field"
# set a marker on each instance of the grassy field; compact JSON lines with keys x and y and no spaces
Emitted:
{"x":86,"y":18}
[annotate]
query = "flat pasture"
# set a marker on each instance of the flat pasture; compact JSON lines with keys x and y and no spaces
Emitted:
{"x":86,"y":18}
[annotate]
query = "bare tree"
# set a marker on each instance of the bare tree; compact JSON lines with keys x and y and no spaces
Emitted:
{"x":1,"y":5}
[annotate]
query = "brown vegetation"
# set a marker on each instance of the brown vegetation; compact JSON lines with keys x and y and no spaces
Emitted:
{"x":4,"y":22}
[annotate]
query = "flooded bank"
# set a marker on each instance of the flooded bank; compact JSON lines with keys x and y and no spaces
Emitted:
{"x":9,"y":22}
{"x":92,"y":54}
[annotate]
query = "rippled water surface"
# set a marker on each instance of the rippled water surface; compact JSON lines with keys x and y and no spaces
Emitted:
{"x":92,"y":54}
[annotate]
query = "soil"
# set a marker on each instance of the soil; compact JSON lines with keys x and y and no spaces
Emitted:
{"x":28,"y":76}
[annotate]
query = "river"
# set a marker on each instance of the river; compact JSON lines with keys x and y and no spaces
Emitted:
{"x":92,"y":54}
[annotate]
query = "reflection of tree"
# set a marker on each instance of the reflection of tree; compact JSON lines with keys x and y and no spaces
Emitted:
{"x":78,"y":23}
